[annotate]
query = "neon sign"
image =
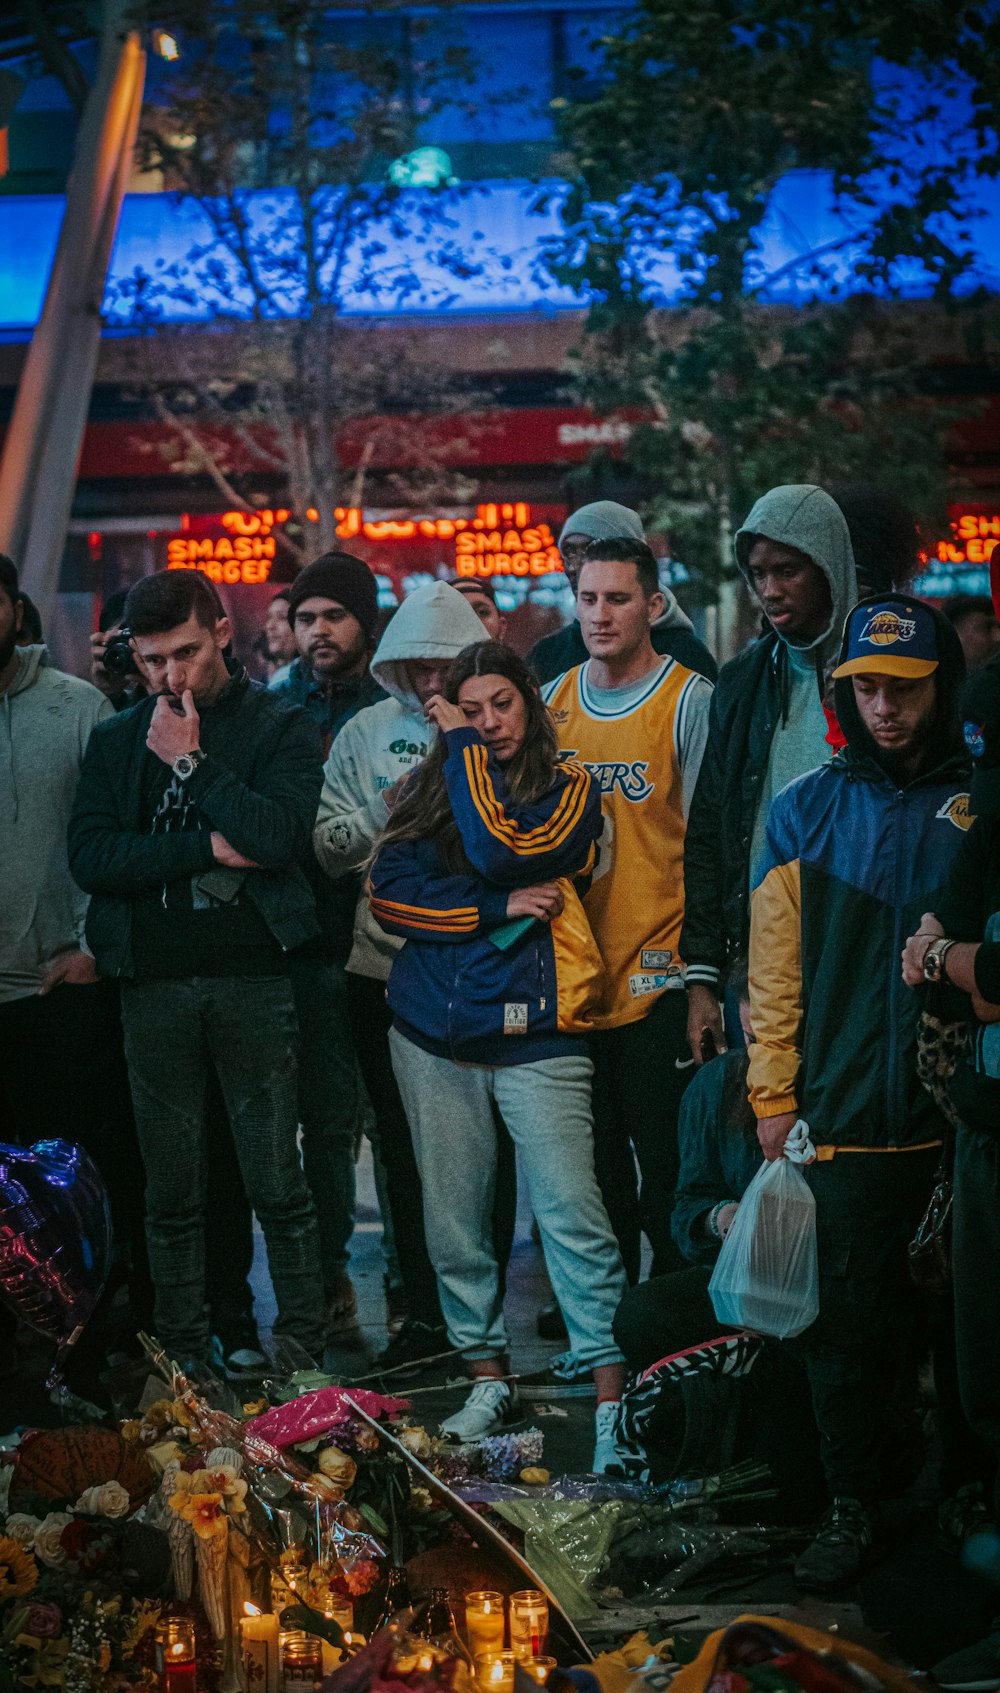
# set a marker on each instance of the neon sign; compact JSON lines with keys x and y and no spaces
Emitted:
{"x":500,"y":540}
{"x":977,"y":534}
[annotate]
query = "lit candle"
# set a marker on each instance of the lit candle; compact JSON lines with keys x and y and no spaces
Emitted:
{"x":259,"y":1637}
{"x":495,"y":1671}
{"x":539,"y":1669}
{"x":484,"y":1622}
{"x":175,"y":1663}
{"x":529,"y":1623}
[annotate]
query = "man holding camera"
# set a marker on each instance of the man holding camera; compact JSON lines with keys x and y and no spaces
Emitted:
{"x":191,"y":824}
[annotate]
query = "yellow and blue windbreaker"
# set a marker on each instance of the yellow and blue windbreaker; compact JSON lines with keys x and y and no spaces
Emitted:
{"x":850,"y":864}
{"x":453,"y":989}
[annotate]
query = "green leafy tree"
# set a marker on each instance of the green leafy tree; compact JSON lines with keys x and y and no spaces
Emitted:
{"x":675,"y":160}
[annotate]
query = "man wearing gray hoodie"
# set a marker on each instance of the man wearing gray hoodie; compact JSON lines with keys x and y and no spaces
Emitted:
{"x":370,"y":758}
{"x":769,"y":723}
{"x":54,"y":1016}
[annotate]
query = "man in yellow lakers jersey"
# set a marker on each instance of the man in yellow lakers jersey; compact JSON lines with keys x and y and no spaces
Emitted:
{"x":639,"y":722}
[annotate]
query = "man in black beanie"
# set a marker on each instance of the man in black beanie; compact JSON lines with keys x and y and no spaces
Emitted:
{"x":333,"y":614}
{"x":958,"y":946}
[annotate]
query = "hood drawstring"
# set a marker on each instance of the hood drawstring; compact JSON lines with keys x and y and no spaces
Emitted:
{"x":10,"y":753}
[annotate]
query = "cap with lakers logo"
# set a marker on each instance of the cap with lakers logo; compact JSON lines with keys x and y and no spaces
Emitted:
{"x":890,"y":636}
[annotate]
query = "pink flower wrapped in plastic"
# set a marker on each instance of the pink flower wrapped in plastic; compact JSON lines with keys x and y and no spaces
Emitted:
{"x":316,"y":1413}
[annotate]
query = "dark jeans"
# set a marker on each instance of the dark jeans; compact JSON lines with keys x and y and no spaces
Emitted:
{"x":867,"y":1208}
{"x":176,"y":1034}
{"x":975,"y":1261}
{"x":371,"y":1021}
{"x":775,"y":1427}
{"x":329,"y":1104}
{"x":637,"y":1096}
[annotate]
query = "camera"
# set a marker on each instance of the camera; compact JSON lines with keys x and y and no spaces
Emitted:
{"x":118,"y":658}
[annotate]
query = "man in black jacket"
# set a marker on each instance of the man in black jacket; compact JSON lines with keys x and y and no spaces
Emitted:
{"x":192,"y":820}
{"x":767,"y":725}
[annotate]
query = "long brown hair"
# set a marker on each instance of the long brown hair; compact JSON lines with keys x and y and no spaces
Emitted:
{"x":423,"y":811}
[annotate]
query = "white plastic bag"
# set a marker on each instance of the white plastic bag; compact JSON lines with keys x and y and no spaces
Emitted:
{"x":766,"y":1276}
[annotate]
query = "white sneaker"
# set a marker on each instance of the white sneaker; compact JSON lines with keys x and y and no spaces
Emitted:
{"x":491,"y":1406}
{"x":607,"y":1458}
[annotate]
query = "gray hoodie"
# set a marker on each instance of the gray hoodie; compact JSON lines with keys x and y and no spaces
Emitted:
{"x":803,"y":516}
{"x":45,"y":723}
{"x":381,"y":744}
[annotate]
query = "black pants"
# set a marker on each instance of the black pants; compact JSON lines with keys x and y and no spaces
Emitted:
{"x":976,"y":1275}
{"x":775,"y":1425}
{"x":637,"y":1096}
{"x":867,"y":1208}
{"x":370,"y":1024}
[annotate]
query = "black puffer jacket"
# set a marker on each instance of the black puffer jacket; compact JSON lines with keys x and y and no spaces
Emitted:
{"x":746,"y":707}
{"x":259,"y":786}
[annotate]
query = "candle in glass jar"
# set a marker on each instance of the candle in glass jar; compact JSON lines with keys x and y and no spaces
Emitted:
{"x":495,"y":1671}
{"x":259,"y":1638}
{"x":484,"y":1621}
{"x":529,"y":1623}
{"x":539,"y":1669}
{"x":301,"y":1661}
{"x":175,"y":1664}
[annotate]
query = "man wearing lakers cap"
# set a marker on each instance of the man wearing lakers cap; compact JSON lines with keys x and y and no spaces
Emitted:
{"x":854,"y":852}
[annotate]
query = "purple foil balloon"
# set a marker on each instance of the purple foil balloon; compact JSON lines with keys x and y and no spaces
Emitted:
{"x":55,"y":1236}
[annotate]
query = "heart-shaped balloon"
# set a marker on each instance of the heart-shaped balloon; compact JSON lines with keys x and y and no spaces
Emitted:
{"x":55,"y":1236}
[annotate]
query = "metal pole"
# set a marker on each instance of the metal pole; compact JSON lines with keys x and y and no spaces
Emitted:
{"x":38,"y":470}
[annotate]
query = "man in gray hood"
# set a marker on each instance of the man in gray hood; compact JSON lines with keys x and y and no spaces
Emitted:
{"x":672,"y":634}
{"x":54,"y":1015}
{"x":768,"y":724}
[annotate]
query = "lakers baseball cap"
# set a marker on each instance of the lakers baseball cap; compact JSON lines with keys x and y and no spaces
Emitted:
{"x":890,"y":636}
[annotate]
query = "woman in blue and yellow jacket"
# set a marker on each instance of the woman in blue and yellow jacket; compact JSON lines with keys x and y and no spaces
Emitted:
{"x":480,"y":870}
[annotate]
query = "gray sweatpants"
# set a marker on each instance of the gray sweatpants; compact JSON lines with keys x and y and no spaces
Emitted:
{"x":546,"y":1107}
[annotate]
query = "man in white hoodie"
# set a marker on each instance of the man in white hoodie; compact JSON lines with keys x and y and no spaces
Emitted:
{"x":370,"y":757}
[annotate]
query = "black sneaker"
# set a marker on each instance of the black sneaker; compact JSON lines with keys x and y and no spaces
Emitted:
{"x":238,"y":1356}
{"x":550,"y":1322}
{"x":838,"y":1553}
{"x":962,"y":1515}
{"x":975,"y":1669}
{"x":413,"y":1345}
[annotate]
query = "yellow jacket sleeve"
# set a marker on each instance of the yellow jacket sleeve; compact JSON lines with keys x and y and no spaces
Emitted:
{"x":775,"y":989}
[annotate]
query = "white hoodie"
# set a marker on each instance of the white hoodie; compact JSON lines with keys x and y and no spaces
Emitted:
{"x":381,"y":744}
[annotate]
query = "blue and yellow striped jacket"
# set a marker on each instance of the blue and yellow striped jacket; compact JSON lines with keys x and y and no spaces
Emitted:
{"x":453,"y":989}
{"x":851,"y":863}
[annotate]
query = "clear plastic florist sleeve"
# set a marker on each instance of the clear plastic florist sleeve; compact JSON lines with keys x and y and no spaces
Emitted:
{"x":766,"y":1276}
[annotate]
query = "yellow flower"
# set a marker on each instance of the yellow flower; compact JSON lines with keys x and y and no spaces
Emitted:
{"x":48,"y":1663}
{"x":132,"y":1429}
{"x":203,"y":1511}
{"x":337,"y":1466}
{"x":180,"y":1414}
{"x":18,"y":1570}
{"x":145,"y":1616}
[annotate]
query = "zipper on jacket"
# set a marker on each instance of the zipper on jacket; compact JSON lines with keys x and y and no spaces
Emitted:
{"x":895,"y":977}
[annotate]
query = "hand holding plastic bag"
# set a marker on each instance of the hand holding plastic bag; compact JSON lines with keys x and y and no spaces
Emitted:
{"x":766,"y":1277}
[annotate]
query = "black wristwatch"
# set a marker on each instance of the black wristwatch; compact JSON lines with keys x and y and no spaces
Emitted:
{"x":186,"y":763}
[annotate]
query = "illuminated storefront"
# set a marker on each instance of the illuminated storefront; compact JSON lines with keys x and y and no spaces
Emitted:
{"x":959,"y":563}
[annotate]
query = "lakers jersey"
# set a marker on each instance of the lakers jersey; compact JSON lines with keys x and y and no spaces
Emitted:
{"x":645,"y":759}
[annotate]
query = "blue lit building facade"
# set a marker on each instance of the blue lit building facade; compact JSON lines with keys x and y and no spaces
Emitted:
{"x":503,"y":322}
